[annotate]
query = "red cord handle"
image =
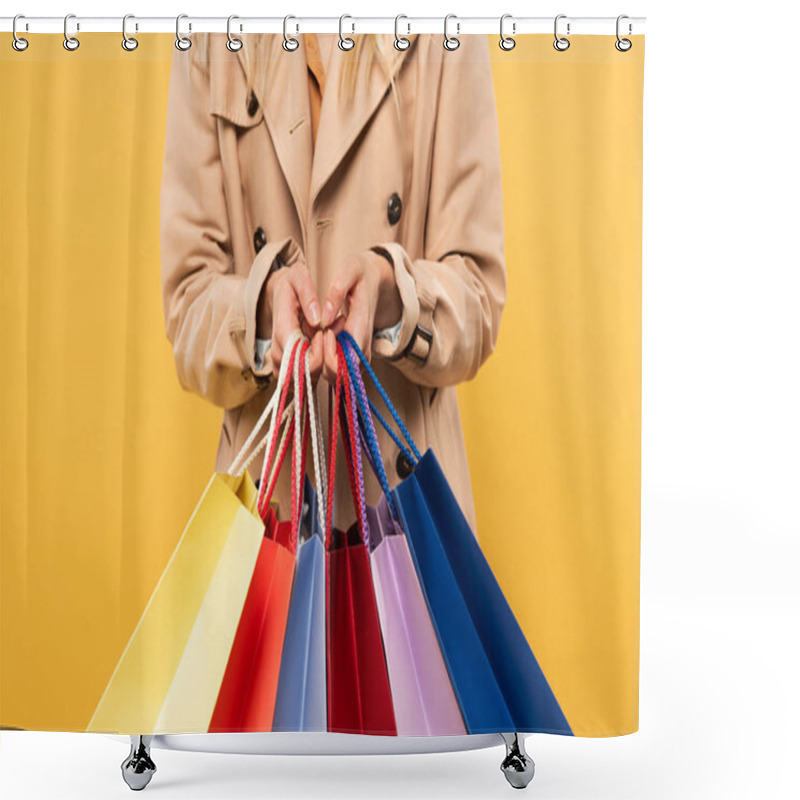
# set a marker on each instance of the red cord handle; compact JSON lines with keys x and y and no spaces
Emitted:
{"x":334,"y":416}
{"x":265,"y":493}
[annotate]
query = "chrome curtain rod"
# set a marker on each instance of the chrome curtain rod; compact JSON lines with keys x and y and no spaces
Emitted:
{"x":457,"y":25}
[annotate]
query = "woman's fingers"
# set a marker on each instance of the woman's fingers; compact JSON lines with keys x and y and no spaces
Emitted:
{"x":349,"y":305}
{"x":347,"y":276}
{"x":338,"y":325}
{"x":285,"y":319}
{"x":306,"y":294}
{"x":294,"y":305}
{"x":359,"y":318}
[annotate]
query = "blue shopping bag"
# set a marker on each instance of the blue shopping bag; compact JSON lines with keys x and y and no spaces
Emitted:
{"x":497,"y":679}
{"x":301,"y":703}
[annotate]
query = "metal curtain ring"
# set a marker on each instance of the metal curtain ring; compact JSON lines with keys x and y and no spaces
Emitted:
{"x":182,"y":42}
{"x":290,"y":44}
{"x":506,"y":42}
{"x":128,"y":42}
{"x":70,"y":42}
{"x":623,"y":45}
{"x":451,"y":42}
{"x":233,"y":44}
{"x":561,"y":44}
{"x":400,"y":42}
{"x":345,"y":42}
{"x":18,"y":43}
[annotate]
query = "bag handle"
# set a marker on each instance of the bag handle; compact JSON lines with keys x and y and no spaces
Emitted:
{"x":344,"y":336}
{"x":294,"y":342}
{"x":298,"y":455}
{"x":273,"y":436}
{"x":352,"y":451}
{"x":266,"y":487}
{"x":317,"y":446}
{"x":334,"y":402}
{"x":269,"y":411}
{"x":300,"y":445}
{"x":372,"y":447}
{"x":344,"y":412}
{"x":339,"y":408}
{"x":283,"y":425}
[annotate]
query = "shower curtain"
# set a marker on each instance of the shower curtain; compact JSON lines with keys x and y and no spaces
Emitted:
{"x":500,"y":191}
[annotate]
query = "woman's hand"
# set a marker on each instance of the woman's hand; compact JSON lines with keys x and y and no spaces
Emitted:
{"x":291,"y":303}
{"x":362,"y":297}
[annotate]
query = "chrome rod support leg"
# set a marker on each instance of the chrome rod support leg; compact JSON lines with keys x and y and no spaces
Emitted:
{"x":517,"y":766}
{"x":138,"y":768}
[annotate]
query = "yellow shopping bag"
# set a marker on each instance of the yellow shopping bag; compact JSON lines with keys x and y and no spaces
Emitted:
{"x":192,"y":694}
{"x":169,"y":674}
{"x":224,"y":531}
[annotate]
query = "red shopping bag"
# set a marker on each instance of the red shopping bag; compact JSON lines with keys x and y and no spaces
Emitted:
{"x":359,"y":695}
{"x":246,"y":700}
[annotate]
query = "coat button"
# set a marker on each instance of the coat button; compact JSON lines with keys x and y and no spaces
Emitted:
{"x":394,"y":209}
{"x":404,"y":466}
{"x":252,"y":104}
{"x":259,"y":239}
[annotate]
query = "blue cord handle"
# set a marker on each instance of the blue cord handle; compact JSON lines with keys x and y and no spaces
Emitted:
{"x":355,"y":377}
{"x":365,"y":425}
{"x":344,"y":336}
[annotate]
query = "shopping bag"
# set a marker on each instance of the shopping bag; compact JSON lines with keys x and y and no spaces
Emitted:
{"x":247,"y":694}
{"x":167,"y":676}
{"x":497,"y":679}
{"x":359,"y":695}
{"x":422,"y":693}
{"x":222,"y":526}
{"x":301,"y":703}
{"x":192,"y":694}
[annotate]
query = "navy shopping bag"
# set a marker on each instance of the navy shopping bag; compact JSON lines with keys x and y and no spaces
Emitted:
{"x":497,"y":679}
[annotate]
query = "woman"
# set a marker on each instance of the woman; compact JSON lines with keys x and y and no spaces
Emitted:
{"x":325,"y":189}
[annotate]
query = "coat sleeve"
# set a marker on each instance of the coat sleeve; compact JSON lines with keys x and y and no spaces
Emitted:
{"x":454,"y":295}
{"x":209,"y":309}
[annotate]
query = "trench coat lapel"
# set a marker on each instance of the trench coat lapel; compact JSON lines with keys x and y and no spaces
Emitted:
{"x":342,"y":120}
{"x":281,"y":87}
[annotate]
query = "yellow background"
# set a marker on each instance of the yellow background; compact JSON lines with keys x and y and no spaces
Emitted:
{"x":103,"y":456}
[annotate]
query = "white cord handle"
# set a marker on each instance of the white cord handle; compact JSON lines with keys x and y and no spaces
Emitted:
{"x":299,"y":412}
{"x":284,"y":423}
{"x":270,"y":409}
{"x":290,"y":349}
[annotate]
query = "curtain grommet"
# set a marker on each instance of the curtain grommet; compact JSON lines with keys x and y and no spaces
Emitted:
{"x":71,"y":43}
{"x":233,"y":44}
{"x":400,"y":42}
{"x":129,"y":43}
{"x":623,"y":45}
{"x":561,"y":43}
{"x":290,"y":43}
{"x":345,"y":42}
{"x":507,"y":42}
{"x":451,"y":43}
{"x":17,"y":42}
{"x":182,"y":42}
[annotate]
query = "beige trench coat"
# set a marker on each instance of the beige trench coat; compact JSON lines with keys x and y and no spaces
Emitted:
{"x":242,"y":185}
